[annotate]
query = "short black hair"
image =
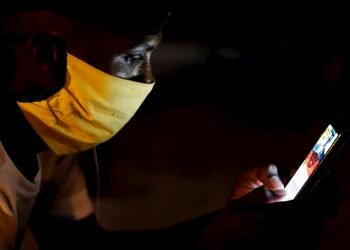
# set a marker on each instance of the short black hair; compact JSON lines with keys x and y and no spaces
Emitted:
{"x":139,"y":17}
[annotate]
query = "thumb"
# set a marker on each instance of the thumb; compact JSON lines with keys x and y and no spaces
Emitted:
{"x":271,"y":180}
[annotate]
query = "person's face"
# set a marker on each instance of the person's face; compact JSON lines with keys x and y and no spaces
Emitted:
{"x":135,"y":62}
{"x":124,"y":56}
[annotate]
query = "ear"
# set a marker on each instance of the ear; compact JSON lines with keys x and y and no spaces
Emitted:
{"x":51,"y":54}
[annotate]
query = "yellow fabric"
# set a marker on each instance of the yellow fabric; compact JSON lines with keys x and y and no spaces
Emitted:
{"x":91,"y":108}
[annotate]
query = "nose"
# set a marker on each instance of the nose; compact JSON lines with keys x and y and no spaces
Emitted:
{"x":148,"y":74}
{"x":151,"y":43}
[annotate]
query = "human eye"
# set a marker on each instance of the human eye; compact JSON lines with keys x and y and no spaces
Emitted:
{"x":132,"y":58}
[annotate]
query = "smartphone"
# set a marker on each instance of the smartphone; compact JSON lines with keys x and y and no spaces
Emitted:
{"x":319,"y":162}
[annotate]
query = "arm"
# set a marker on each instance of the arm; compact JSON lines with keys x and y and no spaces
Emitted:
{"x":241,"y":218}
{"x":7,"y":224}
{"x":17,"y":196}
{"x":253,"y":218}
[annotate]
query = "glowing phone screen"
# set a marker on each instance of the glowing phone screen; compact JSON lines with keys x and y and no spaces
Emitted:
{"x":311,"y":162}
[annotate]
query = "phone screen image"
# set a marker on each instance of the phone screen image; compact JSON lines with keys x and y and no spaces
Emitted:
{"x":311,"y":162}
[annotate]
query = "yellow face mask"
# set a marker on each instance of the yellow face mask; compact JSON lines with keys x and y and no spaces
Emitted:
{"x":90,"y":109}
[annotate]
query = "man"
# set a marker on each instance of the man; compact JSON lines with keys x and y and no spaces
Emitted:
{"x":43,"y":43}
{"x":72,"y":78}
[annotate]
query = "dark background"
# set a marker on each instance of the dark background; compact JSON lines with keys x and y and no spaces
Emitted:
{"x":287,"y":58}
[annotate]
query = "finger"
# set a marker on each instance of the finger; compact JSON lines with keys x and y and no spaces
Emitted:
{"x":270,"y":179}
{"x":275,"y":184}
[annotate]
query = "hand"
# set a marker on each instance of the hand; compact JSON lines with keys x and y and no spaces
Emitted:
{"x":242,"y":218}
{"x":279,"y":225}
{"x":237,"y":221}
{"x":266,"y":177}
{"x":247,"y":222}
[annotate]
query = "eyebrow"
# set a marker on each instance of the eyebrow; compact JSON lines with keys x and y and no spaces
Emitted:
{"x":144,"y":46}
{"x":141,"y":48}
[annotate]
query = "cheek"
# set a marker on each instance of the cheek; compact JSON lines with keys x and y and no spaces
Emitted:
{"x":121,"y":70}
{"x":129,"y":68}
{"x":137,"y":68}
{"x":124,"y":69}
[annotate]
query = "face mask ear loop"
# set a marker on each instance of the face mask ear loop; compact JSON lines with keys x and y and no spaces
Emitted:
{"x":98,"y":198}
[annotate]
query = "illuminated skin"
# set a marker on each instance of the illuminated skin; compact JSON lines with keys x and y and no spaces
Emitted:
{"x":135,"y":64}
{"x":258,"y":177}
{"x":121,"y":55}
